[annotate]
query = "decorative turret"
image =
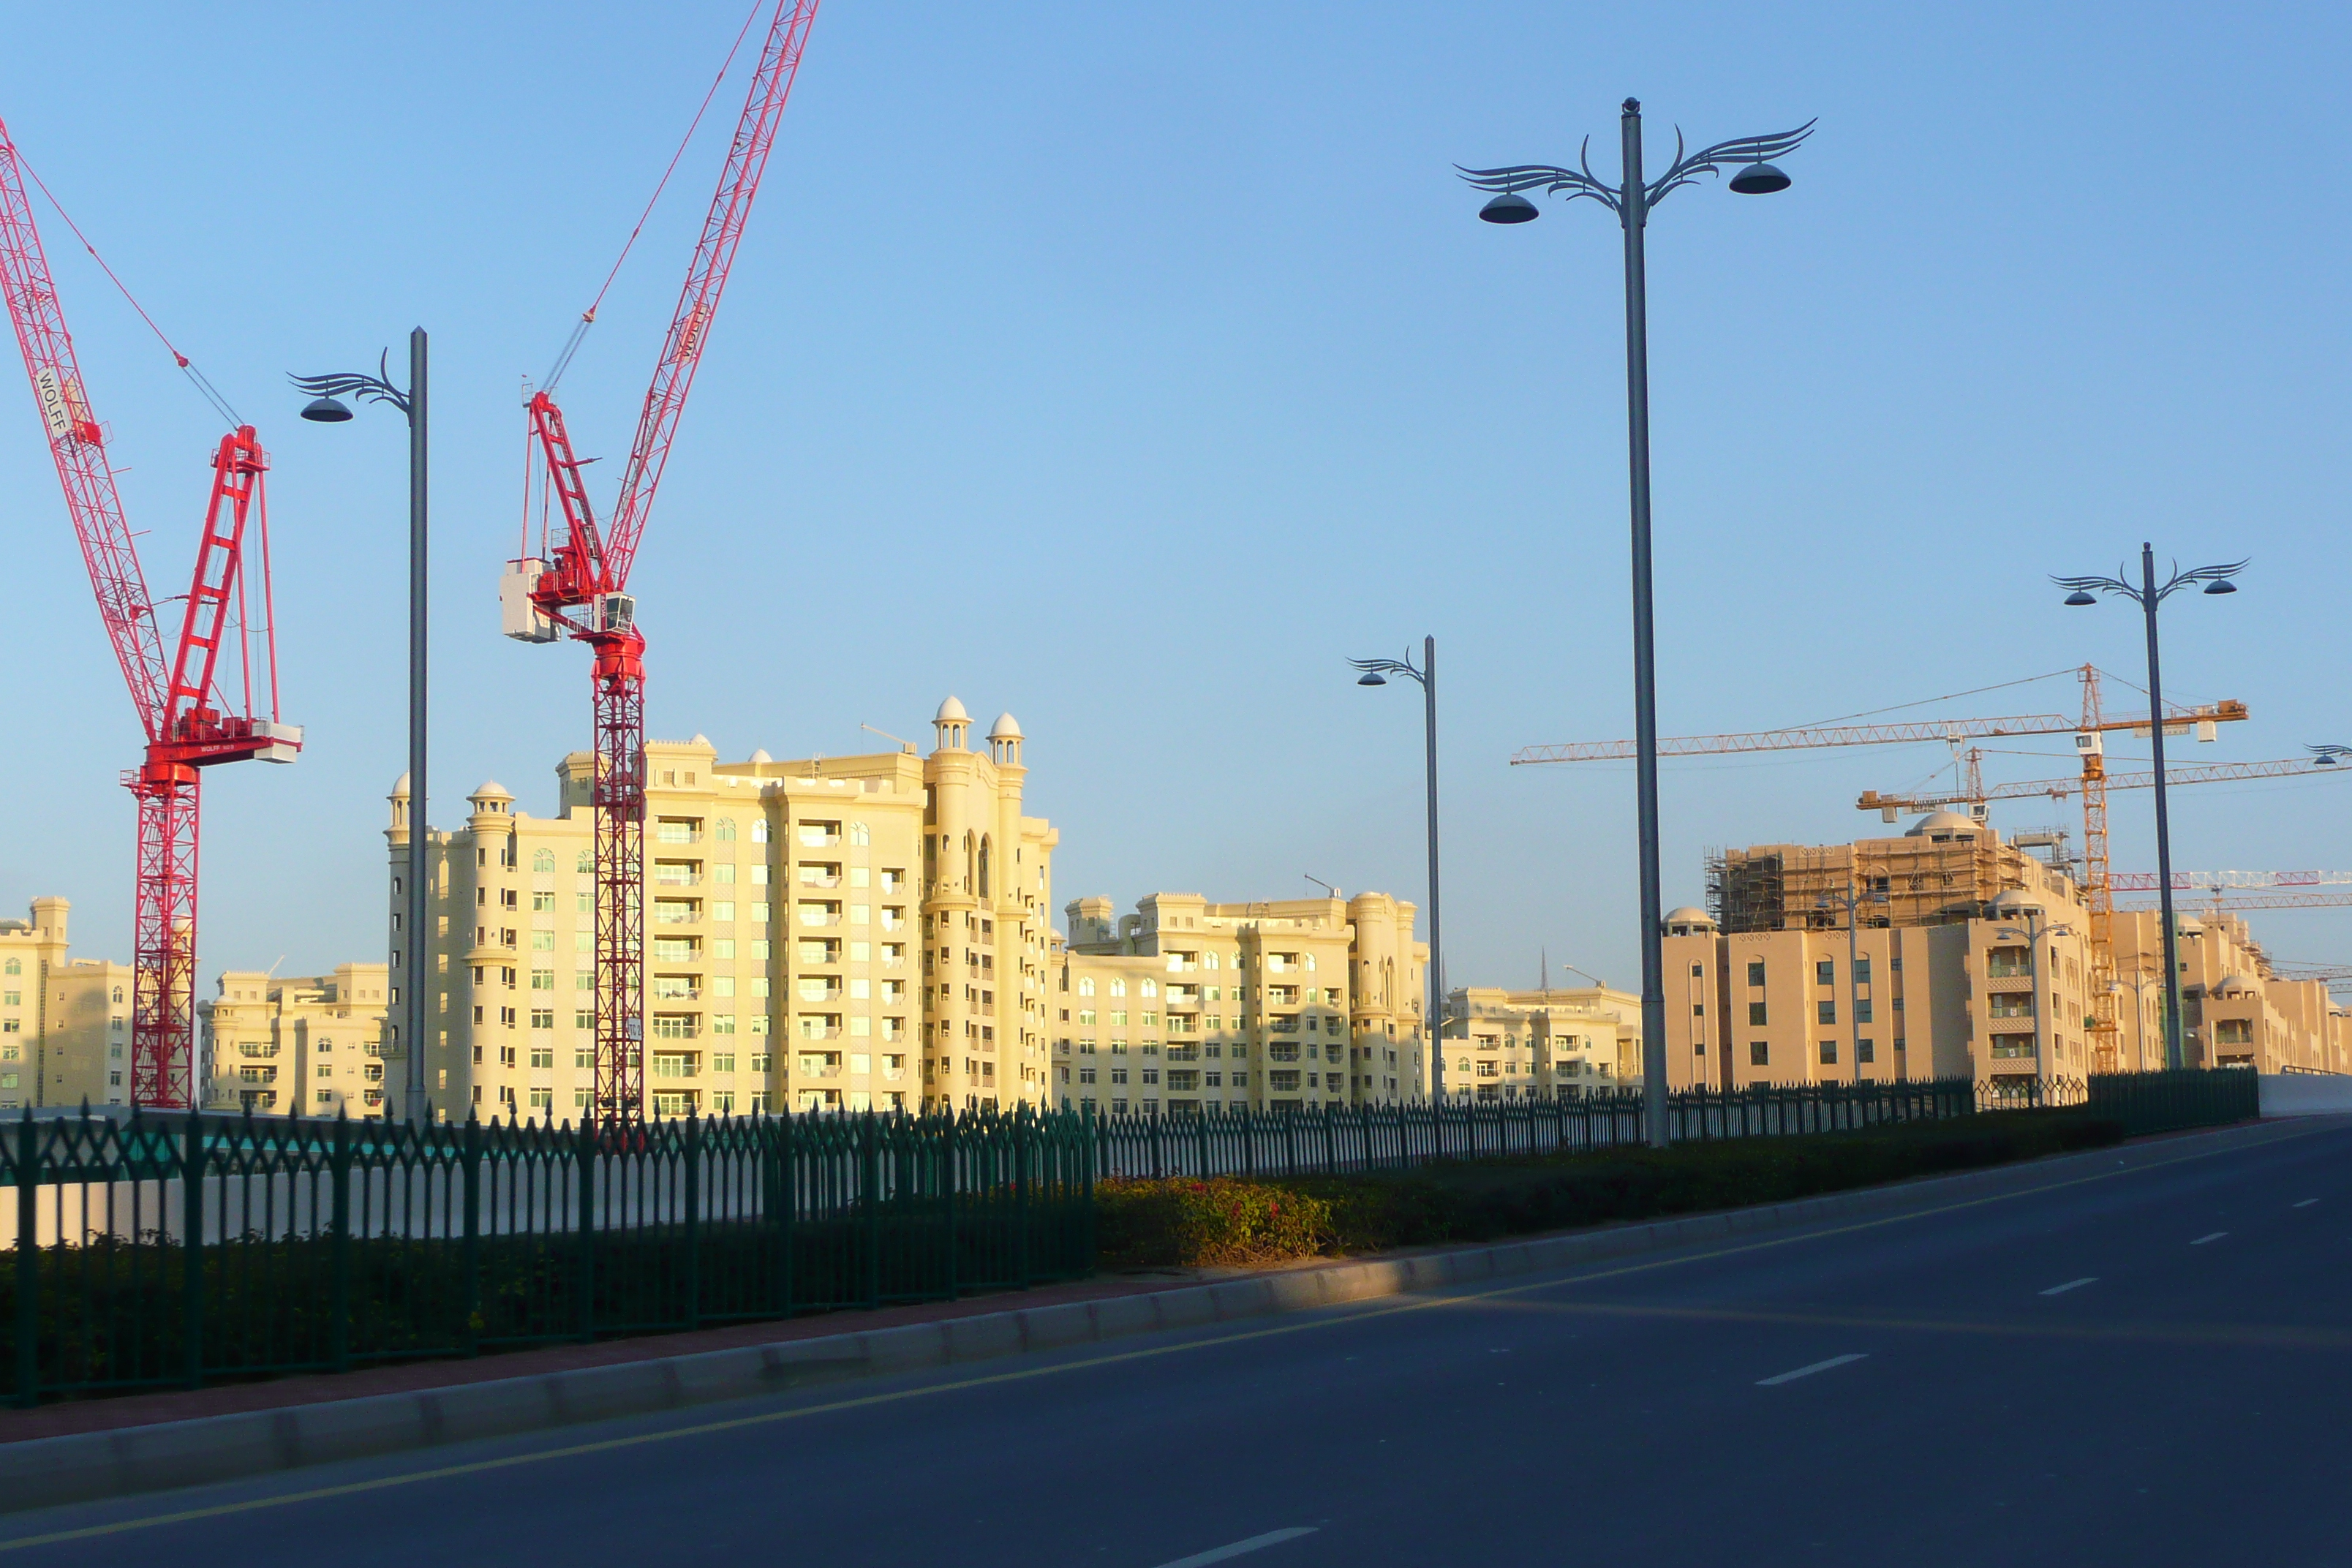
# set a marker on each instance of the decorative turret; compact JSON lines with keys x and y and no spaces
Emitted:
{"x":951,"y":725}
{"x":1004,"y":740}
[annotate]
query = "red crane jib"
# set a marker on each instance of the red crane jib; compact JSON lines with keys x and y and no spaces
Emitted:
{"x":581,"y":589}
{"x":185,"y":715}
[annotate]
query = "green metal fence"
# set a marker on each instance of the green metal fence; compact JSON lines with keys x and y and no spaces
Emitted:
{"x":2162,"y":1101}
{"x":171,"y":1251}
{"x":1394,"y":1137}
{"x":2174,"y":1101}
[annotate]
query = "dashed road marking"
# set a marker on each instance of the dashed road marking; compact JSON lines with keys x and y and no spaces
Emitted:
{"x":2305,"y":1205}
{"x":2214,"y":1236}
{"x":1809,"y":1371}
{"x":1254,"y":1543}
{"x":2072,"y":1285}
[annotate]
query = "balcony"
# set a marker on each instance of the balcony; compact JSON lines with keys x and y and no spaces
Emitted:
{"x":820,"y":989}
{"x":820,"y":1064}
{"x":818,"y":916}
{"x":677,"y":874}
{"x":819,"y":877}
{"x":677,"y":911}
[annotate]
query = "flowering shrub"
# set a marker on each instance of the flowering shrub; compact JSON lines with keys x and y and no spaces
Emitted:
{"x":1184,"y":1223}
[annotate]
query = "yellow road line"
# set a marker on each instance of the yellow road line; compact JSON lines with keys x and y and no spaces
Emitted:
{"x":769,"y":1418}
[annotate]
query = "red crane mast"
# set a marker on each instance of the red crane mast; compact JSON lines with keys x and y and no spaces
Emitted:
{"x":583,"y":591}
{"x":188,"y":720}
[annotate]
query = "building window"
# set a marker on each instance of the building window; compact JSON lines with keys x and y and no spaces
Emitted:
{"x":1756,"y":1018}
{"x":542,"y":860}
{"x":542,"y":1018}
{"x":724,"y":830}
{"x":1825,"y":971}
{"x":1828,"y":1053}
{"x":1755,"y":972}
{"x":1825,"y":1011}
{"x":1862,"y":972}
{"x":1862,"y":1010}
{"x":1759,"y":1054}
{"x":1864,"y":1052}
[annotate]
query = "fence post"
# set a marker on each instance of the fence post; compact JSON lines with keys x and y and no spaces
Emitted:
{"x":788,"y":1200}
{"x":1021,"y":1186}
{"x":469,"y":1175}
{"x":192,"y":1219}
{"x":950,"y":1178}
{"x":584,"y":1215}
{"x":339,"y":1329}
{"x":871,"y":1163}
{"x":1200,"y":1137}
{"x":28,"y":1261}
{"x":693,"y":1220}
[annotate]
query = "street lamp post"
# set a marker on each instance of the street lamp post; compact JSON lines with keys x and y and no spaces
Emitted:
{"x":2148,"y":595}
{"x":1631,"y":200}
{"x":1375,"y":672}
{"x":326,"y":408}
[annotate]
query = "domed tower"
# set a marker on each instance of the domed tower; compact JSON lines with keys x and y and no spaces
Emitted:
{"x":951,"y":726}
{"x":1004,"y":740}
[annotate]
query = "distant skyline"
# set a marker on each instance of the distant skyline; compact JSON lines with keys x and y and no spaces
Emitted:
{"x":1131,"y":368}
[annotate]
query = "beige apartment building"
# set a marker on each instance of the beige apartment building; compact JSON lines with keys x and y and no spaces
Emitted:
{"x":65,"y":1022}
{"x":311,"y":1045}
{"x":834,"y":934}
{"x":1186,"y":1006}
{"x":1972,"y":958}
{"x":1564,"y":1041}
{"x":2236,"y":1010}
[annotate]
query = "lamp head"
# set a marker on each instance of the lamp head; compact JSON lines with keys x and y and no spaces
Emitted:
{"x":2082,"y":596}
{"x":1372,"y":677}
{"x":1513,"y":207}
{"x":1760,"y":180}
{"x":326,"y":411}
{"x":2221,"y":585}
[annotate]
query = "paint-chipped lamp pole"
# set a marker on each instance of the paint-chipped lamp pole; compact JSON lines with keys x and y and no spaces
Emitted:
{"x":1631,"y":199}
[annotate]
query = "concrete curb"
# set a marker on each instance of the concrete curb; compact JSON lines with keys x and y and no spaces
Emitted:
{"x":45,"y":1472}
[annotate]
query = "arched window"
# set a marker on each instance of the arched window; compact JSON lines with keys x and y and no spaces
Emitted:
{"x":1118,"y":987}
{"x":725,"y":831}
{"x":1151,"y":988}
{"x":543,"y":860}
{"x":860,"y":834}
{"x":1208,"y":961}
{"x":760,"y":832}
{"x":118,"y":995}
{"x":585,"y":861}
{"x":1086,"y":985}
{"x":16,"y":966}
{"x":983,"y":867}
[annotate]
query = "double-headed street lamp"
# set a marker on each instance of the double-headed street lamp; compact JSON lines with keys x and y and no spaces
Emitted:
{"x":1631,"y":200}
{"x":326,"y":408}
{"x":1375,"y":672}
{"x":1853,"y":899}
{"x":2148,"y":593}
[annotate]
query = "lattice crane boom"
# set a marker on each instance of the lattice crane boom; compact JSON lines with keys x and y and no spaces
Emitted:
{"x":582,"y":589}
{"x":188,"y":720}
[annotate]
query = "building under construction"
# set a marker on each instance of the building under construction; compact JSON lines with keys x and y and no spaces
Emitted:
{"x":1946,"y":870}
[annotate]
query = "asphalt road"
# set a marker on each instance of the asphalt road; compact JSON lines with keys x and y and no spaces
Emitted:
{"x":2144,"y":1367}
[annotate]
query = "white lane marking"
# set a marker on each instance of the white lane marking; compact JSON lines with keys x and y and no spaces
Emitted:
{"x":1809,"y":1371}
{"x":1254,"y":1543}
{"x":2216,"y":1236}
{"x":2305,"y":1205}
{"x":2072,"y":1285}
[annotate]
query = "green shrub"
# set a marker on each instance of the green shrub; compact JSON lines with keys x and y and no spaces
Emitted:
{"x":1184,"y":1223}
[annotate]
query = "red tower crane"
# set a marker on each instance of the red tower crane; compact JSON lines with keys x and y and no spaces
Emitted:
{"x":183,"y":703}
{"x":583,"y":591}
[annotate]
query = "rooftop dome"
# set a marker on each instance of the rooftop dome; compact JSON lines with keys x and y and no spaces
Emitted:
{"x":491,"y":790}
{"x":762,"y":756}
{"x":699,"y":739}
{"x":2189,"y":925}
{"x":1006,"y":728}
{"x":402,"y":787}
{"x":1940,"y":822}
{"x":2015,"y":902}
{"x":950,"y":712}
{"x":1689,"y":915}
{"x":2228,"y":983}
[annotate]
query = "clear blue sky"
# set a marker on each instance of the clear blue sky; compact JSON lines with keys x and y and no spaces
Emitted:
{"x":1131,"y":366}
